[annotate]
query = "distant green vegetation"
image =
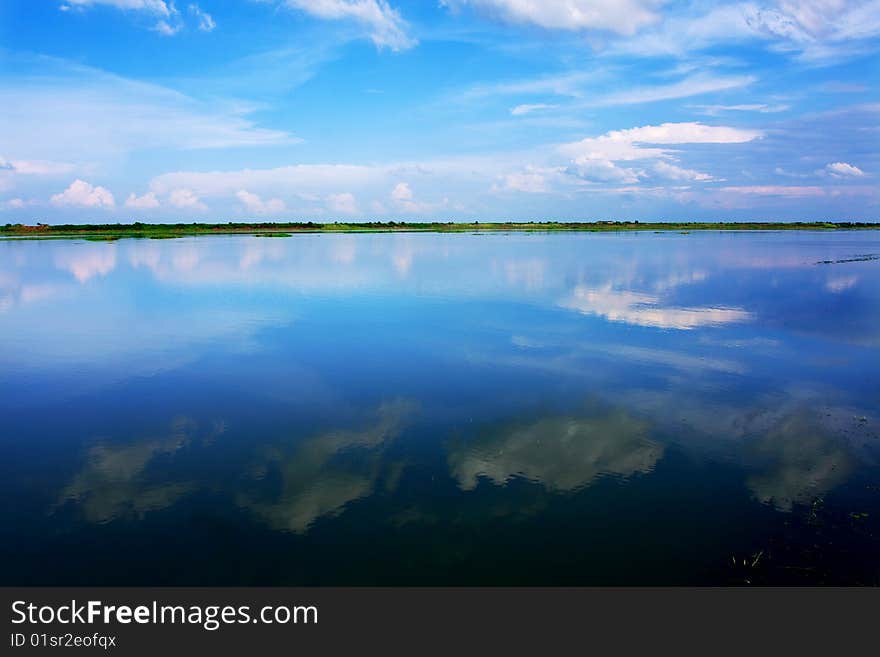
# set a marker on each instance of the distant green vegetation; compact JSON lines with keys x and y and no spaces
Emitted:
{"x":160,"y":231}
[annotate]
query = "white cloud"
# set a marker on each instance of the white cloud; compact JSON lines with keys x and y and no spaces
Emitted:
{"x":145,"y":202}
{"x":564,"y":84}
{"x":166,"y":28}
{"x":776,"y":190}
{"x":816,"y":30}
{"x":84,"y":195}
{"x":344,"y":203}
{"x":673,"y":172}
{"x":204,"y":20}
{"x":602,"y":170}
{"x":843,"y":170}
{"x":158,"y":7}
{"x":619,"y":16}
{"x":521,"y":110}
{"x":35,"y":167}
{"x":403,"y":198}
{"x":761,"y":108}
{"x":576,"y":85}
{"x":695,"y":85}
{"x":169,"y":20}
{"x":623,"y":144}
{"x":168,"y":23}
{"x":186,"y":199}
{"x":529,"y":182}
{"x":386,"y":27}
{"x":595,"y":158}
{"x":401,"y":193}
{"x":257,"y":205}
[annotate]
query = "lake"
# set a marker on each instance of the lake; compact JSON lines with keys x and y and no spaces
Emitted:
{"x":530,"y":408}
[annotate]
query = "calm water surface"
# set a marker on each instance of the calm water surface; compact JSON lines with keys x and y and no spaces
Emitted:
{"x":441,"y":409}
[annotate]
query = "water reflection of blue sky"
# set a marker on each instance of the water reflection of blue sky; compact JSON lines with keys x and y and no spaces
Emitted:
{"x":330,"y":360}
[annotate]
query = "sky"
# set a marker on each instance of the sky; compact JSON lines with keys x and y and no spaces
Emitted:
{"x":490,"y":110}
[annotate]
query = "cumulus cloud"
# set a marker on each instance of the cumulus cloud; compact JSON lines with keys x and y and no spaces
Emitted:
{"x":843,"y":170}
{"x":403,"y":198}
{"x":673,"y":172}
{"x":602,"y":170}
{"x":186,"y":199}
{"x":618,"y":16}
{"x":385,"y":26}
{"x":257,"y":205}
{"x":344,"y":203}
{"x":529,"y":182}
{"x":84,"y":195}
{"x":145,"y":202}
{"x":402,"y":193}
{"x":624,"y":144}
{"x":595,"y":158}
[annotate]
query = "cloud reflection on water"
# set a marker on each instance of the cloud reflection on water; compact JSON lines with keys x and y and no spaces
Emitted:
{"x":114,"y":482}
{"x":797,"y":461}
{"x":643,"y":309}
{"x":312,"y":483}
{"x":563,"y":453}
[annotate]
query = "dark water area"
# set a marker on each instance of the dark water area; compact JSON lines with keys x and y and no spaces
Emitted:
{"x":626,"y":408}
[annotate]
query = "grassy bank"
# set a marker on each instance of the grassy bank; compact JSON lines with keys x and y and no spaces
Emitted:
{"x":158,"y":231}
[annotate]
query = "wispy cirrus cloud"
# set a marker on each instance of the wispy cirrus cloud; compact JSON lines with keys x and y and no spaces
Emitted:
{"x":695,"y":85}
{"x":529,"y":108}
{"x":818,"y":31}
{"x":618,"y":16}
{"x":169,"y":20}
{"x":106,"y":114}
{"x":384,"y":24}
{"x":760,"y":108}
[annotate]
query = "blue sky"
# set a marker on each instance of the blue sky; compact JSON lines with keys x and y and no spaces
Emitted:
{"x":345,"y":110}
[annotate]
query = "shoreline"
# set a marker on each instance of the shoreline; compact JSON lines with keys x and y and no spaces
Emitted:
{"x":100,"y":232}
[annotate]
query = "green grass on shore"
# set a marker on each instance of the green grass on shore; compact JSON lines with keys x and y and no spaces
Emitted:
{"x":283,"y":229}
